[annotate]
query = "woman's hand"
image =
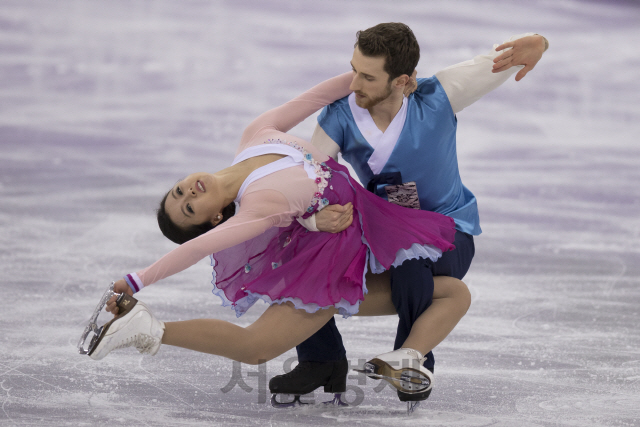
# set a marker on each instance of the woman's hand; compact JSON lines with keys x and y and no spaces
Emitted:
{"x":119,"y":287}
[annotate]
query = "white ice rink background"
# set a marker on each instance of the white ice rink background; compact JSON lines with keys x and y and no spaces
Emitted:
{"x":105,"y":104}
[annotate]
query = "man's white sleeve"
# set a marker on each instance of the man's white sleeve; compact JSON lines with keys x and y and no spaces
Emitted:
{"x":468,"y":81}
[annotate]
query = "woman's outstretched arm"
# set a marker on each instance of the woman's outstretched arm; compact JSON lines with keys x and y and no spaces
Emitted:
{"x":260,"y":211}
{"x":286,"y":116}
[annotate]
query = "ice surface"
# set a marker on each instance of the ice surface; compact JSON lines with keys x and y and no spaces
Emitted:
{"x":105,"y":104}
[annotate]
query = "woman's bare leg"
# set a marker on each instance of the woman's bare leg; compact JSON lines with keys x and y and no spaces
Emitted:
{"x":280,"y":328}
{"x":377,"y":302}
{"x":451,"y":300}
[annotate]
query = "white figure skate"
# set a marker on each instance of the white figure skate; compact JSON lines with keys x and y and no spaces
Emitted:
{"x":133,"y":326}
{"x":403,"y":369}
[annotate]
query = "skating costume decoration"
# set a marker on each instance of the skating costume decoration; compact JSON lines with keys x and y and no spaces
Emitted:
{"x":315,"y":270}
{"x":428,"y":133}
{"x":264,"y":253}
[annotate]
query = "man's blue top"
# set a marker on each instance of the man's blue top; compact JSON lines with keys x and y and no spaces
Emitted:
{"x":425,"y":152}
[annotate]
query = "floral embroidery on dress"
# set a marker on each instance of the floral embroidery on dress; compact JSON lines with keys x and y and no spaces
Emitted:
{"x":323,"y":174}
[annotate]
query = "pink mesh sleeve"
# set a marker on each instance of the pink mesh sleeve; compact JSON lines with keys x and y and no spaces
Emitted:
{"x":259,"y":211}
{"x":286,"y":116}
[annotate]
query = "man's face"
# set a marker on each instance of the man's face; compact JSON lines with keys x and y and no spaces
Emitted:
{"x":370,"y":82}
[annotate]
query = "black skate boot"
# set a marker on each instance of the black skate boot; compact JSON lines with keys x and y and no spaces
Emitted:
{"x":305,"y":378}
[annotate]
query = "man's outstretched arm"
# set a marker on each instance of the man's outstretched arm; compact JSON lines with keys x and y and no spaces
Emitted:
{"x":468,"y":81}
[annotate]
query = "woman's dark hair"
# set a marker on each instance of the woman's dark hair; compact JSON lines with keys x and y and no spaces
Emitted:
{"x":180,"y":235}
{"x":395,"y":42}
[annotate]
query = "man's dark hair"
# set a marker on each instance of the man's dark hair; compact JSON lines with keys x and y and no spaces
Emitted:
{"x":395,"y":42}
{"x":180,"y":235}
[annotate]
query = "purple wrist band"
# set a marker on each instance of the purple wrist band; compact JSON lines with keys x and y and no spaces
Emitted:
{"x":132,"y":283}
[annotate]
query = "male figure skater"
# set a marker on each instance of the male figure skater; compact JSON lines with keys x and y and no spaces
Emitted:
{"x":404,"y":150}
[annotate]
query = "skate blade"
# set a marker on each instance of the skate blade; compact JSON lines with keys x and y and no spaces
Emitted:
{"x":336,"y":401}
{"x":124,"y":303}
{"x":407,"y":380}
{"x":412,"y":406}
{"x":92,"y":327}
{"x":295,"y":401}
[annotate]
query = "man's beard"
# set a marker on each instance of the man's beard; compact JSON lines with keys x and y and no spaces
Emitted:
{"x":372,"y":102}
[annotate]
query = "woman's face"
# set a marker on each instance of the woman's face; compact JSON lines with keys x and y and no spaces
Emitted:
{"x":192,"y":201}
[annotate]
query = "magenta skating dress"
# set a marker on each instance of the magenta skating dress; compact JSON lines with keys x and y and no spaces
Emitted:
{"x":317,"y":270}
{"x":263,"y":252}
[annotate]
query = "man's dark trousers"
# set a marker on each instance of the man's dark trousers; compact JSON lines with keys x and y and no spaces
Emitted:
{"x":411,"y":293}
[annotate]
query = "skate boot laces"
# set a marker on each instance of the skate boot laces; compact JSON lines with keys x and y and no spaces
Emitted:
{"x":415,"y":353}
{"x":142,"y":342}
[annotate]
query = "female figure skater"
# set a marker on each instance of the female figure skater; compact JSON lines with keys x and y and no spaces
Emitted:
{"x":264,"y":253}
